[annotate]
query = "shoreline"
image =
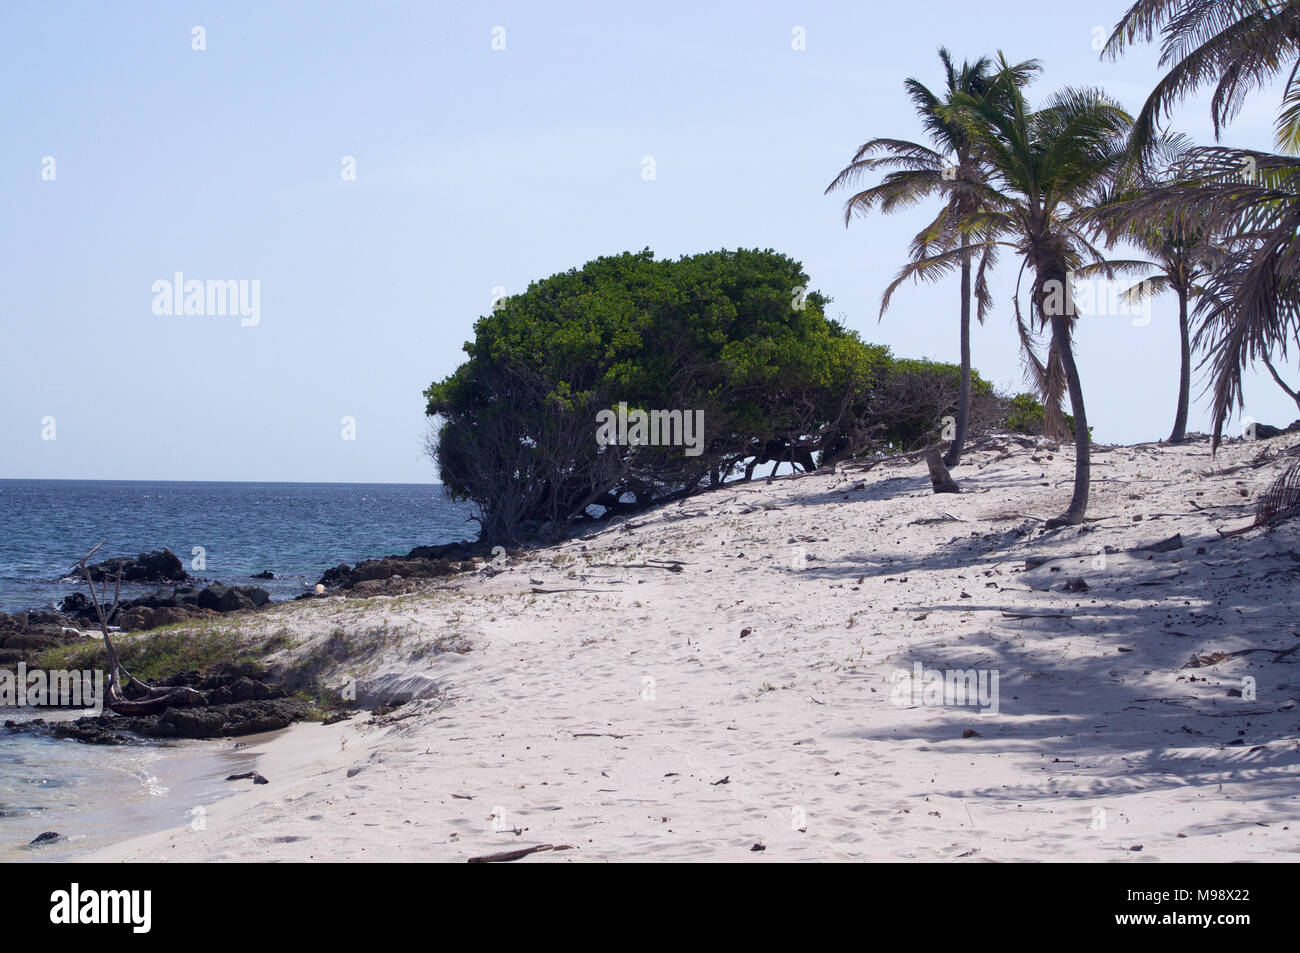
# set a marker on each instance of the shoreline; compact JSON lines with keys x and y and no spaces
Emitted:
{"x":105,"y":795}
{"x":600,"y":700}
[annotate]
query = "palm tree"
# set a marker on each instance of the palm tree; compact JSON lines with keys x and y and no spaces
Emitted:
{"x":1047,"y":168}
{"x":1236,"y":45}
{"x":949,"y":170}
{"x":1183,"y":252}
{"x":1182,"y":261}
{"x":1250,"y":308}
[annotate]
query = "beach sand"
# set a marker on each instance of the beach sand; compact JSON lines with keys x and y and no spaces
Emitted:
{"x":631,"y":720}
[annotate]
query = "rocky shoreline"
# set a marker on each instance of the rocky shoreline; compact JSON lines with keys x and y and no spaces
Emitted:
{"x":238,"y":700}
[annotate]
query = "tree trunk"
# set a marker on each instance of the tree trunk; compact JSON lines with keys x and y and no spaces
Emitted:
{"x":1184,"y":371}
{"x":939,"y":478}
{"x":1082,"y":443}
{"x":953,"y":456}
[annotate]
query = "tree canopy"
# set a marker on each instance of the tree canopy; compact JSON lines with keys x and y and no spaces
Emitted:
{"x":735,"y":336}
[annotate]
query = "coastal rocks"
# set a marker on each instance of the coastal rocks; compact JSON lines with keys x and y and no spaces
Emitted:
{"x":169,"y":606}
{"x":456,"y":552}
{"x":394,"y":567}
{"x":209,"y":721}
{"x":1265,"y":431}
{"x":161,"y":565}
{"x":336,"y":576}
{"x":221,"y":598}
{"x":423,"y":562}
{"x":222,"y":721}
{"x":92,"y":731}
{"x":237,"y":704}
{"x":24,"y":635}
{"x":143,"y":618}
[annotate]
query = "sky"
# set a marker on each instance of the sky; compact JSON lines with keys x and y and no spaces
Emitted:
{"x":379,"y":170}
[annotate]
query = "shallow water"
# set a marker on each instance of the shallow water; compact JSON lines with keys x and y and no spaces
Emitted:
{"x":95,"y":795}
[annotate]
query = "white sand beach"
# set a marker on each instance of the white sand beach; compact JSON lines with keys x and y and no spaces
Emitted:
{"x":744,"y":708}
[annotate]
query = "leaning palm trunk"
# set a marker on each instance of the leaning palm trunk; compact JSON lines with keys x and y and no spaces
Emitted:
{"x":1082,"y":441}
{"x":1185,"y":371}
{"x":1058,"y":315}
{"x":953,"y":456}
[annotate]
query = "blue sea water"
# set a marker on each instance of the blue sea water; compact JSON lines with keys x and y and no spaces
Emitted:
{"x":295,"y":530}
{"x":94,"y":795}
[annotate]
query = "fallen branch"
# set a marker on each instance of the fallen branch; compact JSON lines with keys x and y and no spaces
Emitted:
{"x":540,"y":591}
{"x":248,"y":776}
{"x":508,"y":855}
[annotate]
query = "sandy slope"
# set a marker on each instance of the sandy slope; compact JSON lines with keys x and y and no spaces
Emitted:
{"x":1105,"y":748}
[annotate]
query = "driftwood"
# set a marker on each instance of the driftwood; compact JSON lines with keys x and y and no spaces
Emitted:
{"x":939,"y":477}
{"x":546,"y":592}
{"x":508,"y":855}
{"x":118,"y":678}
{"x":248,"y":776}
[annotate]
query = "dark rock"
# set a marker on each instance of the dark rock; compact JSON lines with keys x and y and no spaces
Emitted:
{"x":264,"y":574}
{"x":336,"y":576}
{"x":222,"y":721}
{"x":221,"y":598}
{"x":458,"y":552}
{"x":161,"y":565}
{"x":207,"y":721}
{"x":48,"y":837}
{"x":76,"y":604}
{"x":24,"y":635}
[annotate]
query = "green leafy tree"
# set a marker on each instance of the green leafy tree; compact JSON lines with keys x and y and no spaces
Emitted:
{"x":734,"y":336}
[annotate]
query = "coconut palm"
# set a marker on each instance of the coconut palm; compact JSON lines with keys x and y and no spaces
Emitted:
{"x":1181,"y":262}
{"x":1250,"y":308}
{"x":1249,"y":311}
{"x":1236,"y":45}
{"x":1047,"y":168}
{"x":949,"y":169}
{"x":1182,"y":250}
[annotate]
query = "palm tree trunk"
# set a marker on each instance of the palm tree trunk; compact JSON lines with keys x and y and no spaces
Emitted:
{"x":1082,"y":442}
{"x":1184,"y":372}
{"x":953,"y":456}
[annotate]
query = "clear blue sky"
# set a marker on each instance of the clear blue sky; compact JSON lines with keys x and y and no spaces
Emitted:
{"x":475,"y":168}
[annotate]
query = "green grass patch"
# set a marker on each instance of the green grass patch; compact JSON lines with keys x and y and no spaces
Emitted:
{"x":158,"y":655}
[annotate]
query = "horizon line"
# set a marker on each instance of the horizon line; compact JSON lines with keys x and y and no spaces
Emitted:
{"x":155,"y":480}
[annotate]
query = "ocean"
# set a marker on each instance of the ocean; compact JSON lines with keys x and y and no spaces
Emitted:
{"x":231,"y":530}
{"x":94,"y":795}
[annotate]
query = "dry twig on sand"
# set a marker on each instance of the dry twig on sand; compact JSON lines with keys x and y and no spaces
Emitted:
{"x":508,"y":855}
